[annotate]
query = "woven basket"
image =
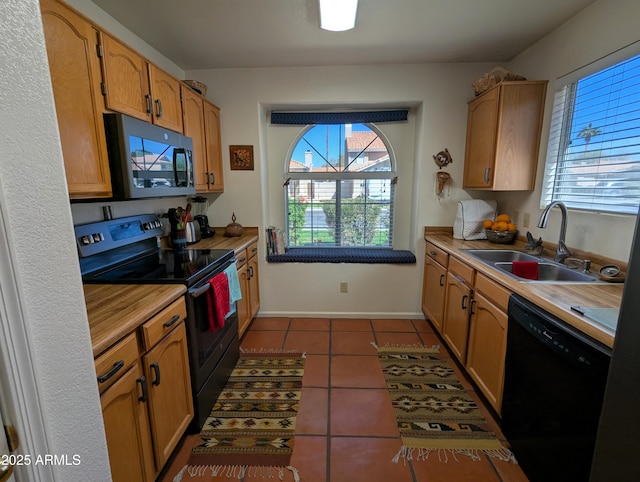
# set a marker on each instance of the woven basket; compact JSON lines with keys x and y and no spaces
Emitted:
{"x":199,"y":87}
{"x":494,"y":77}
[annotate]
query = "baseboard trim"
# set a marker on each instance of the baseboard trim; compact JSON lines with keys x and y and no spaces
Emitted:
{"x":341,"y":314}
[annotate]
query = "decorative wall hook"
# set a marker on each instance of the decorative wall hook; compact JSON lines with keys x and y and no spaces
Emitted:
{"x":443,"y":158}
{"x":443,"y":178}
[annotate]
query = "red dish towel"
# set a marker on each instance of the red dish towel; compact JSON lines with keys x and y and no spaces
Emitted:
{"x":218,"y":301}
{"x":525,"y":269}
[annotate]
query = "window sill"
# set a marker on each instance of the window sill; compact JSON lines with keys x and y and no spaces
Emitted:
{"x":344,"y":255}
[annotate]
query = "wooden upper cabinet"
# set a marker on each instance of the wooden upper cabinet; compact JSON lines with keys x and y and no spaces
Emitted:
{"x":166,"y":94}
{"x":214,"y":177}
{"x":75,"y":76}
{"x":137,"y":88}
{"x":193,"y":120}
{"x":503,"y":137}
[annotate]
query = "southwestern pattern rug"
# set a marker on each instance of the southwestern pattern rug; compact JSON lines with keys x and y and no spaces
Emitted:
{"x":250,"y":430}
{"x":435,"y":413}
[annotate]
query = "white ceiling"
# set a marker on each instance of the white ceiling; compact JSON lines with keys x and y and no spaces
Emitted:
{"x":209,"y":34}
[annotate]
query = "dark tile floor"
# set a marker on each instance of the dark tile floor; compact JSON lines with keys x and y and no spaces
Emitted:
{"x":346,"y":430}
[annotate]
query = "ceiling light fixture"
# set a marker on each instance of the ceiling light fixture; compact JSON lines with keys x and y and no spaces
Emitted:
{"x":338,"y":15}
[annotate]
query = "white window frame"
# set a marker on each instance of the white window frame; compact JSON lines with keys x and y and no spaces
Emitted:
{"x":606,"y":198}
{"x":345,"y":175}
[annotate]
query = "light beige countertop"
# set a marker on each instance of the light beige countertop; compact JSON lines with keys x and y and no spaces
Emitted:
{"x":115,"y":310}
{"x":555,"y":298}
{"x":220,"y":241}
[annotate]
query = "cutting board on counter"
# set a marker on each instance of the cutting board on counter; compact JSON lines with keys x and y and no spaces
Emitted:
{"x":607,"y":317}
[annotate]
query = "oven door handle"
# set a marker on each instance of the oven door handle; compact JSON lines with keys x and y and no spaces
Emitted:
{"x":198,"y":292}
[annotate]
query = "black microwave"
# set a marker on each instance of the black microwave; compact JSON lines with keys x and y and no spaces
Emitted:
{"x":147,"y":160}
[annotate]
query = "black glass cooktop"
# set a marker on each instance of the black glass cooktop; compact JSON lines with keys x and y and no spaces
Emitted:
{"x":162,"y":266}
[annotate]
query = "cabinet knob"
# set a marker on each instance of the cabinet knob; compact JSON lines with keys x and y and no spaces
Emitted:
{"x":433,"y":253}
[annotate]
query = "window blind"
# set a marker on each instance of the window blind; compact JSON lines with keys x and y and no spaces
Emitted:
{"x":593,"y":156}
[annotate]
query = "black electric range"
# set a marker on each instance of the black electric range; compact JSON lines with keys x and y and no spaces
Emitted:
{"x":126,"y":251}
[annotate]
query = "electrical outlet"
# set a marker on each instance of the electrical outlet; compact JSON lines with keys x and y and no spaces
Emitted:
{"x":344,"y":287}
{"x":526,"y":221}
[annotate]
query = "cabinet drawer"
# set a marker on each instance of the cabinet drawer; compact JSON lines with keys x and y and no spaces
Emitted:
{"x":493,"y":291}
{"x":439,"y":255}
{"x":241,"y":257}
{"x":157,"y":327}
{"x":114,"y":362}
{"x":252,"y":250}
{"x":461,"y":270}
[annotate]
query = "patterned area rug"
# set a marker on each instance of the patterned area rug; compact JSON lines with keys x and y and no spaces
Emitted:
{"x":434,"y":411}
{"x":250,"y":430}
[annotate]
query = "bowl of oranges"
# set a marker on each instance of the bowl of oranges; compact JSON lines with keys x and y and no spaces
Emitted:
{"x":500,"y":231}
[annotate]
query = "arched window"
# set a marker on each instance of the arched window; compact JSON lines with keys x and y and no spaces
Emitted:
{"x":340,"y":187}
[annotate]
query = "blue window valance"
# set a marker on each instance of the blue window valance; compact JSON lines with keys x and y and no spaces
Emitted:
{"x":363,"y":117}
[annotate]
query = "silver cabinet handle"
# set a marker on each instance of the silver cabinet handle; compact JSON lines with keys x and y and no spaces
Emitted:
{"x":158,"y":108}
{"x":148,"y":99}
{"x":487,"y":170}
{"x":442,"y":279}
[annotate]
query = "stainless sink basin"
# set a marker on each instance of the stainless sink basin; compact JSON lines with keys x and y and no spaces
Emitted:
{"x":500,"y":255}
{"x":548,"y":271}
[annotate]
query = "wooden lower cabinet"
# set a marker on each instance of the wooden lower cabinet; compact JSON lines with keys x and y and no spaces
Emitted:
{"x":166,"y":368}
{"x":455,"y":327}
{"x":249,"y":305}
{"x":434,"y":289}
{"x":126,"y":424}
{"x":488,"y":339}
{"x":146,"y":397}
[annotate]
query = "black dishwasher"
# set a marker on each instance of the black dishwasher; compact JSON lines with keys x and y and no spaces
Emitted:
{"x":554,"y":385}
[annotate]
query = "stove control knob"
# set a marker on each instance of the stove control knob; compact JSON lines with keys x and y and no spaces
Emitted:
{"x":86,"y":240}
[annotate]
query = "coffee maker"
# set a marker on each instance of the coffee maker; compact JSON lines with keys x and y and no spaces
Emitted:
{"x":201,"y":206}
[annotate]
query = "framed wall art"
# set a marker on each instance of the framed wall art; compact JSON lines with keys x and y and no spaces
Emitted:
{"x":241,"y":158}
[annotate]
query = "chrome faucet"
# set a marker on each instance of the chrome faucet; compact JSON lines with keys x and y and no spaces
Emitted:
{"x":562,"y":252}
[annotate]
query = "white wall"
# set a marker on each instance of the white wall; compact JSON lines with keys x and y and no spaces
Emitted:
{"x":35,"y":206}
{"x":438,"y":95}
{"x":598,"y":30}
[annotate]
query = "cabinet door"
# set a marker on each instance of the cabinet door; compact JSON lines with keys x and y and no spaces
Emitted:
{"x":170,"y":401}
{"x":243,"y":304}
{"x":193,"y":118}
{"x":487,"y":349}
{"x":126,"y":79}
{"x":166,"y":95}
{"x":518,"y":136}
{"x":253,"y":287}
{"x":433,"y":292}
{"x":126,"y":424}
{"x":455,"y":328}
{"x":214,"y":179}
{"x":75,"y":77}
{"x":482,"y":125}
